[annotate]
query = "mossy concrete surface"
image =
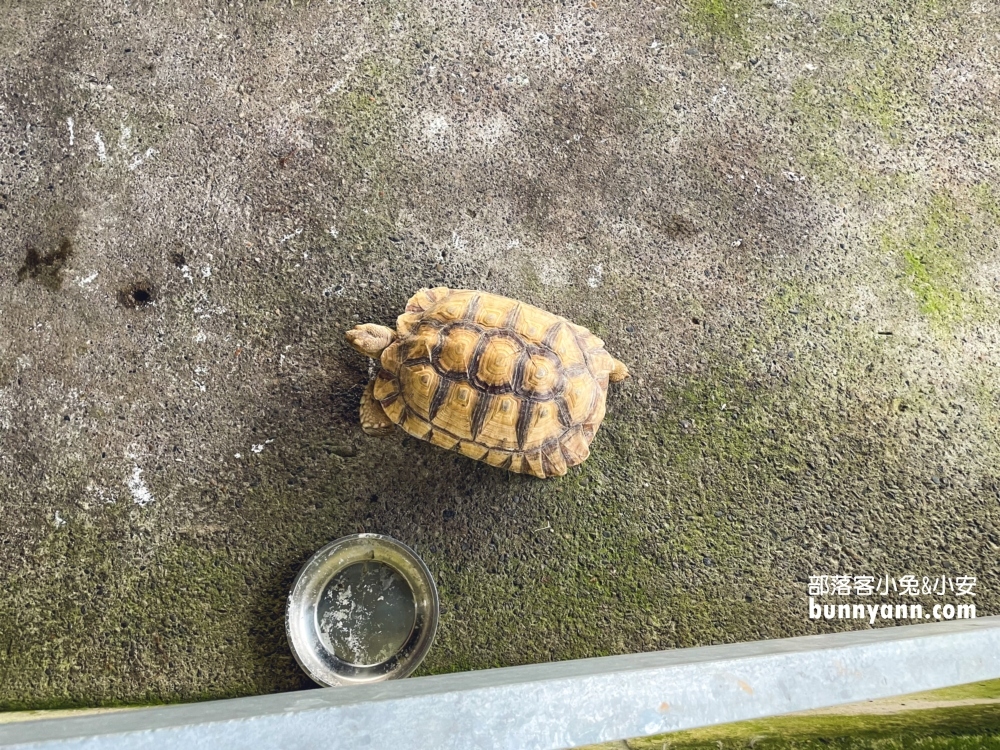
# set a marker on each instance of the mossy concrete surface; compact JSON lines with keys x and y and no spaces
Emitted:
{"x":782,"y":216}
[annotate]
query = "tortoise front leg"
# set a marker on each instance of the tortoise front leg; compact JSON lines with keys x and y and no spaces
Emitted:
{"x":374,"y":420}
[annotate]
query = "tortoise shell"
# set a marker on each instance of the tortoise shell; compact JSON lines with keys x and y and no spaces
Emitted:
{"x":495,"y":379}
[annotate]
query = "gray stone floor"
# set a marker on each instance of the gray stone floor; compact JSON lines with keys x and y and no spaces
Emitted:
{"x":783,"y":216}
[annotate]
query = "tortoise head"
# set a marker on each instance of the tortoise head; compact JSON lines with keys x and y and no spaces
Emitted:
{"x":370,"y":339}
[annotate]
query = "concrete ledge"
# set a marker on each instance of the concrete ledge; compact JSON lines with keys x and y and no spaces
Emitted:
{"x":558,"y":705}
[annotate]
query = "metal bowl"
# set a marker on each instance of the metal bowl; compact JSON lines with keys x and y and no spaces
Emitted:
{"x":363,"y":609}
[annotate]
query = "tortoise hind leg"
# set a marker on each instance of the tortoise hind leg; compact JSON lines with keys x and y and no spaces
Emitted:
{"x":618,"y":373}
{"x":374,"y":420}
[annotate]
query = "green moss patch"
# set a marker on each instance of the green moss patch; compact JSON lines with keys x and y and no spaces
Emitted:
{"x":987,"y":201}
{"x":721,"y":19}
{"x":933,"y":253}
{"x":874,"y":78}
{"x":119,"y":624}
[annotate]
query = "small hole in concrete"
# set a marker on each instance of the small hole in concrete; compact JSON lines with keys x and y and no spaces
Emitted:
{"x":137,"y":294}
{"x":178,"y":259}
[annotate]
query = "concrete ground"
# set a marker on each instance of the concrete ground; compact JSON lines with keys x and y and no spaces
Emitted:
{"x":783,"y":216}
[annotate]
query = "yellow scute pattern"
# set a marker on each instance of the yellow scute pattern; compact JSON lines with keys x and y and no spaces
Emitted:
{"x":395,"y":409}
{"x":540,"y":375}
{"x":421,"y":344}
{"x":579,"y":395}
{"x":452,"y":307}
{"x":534,"y":324}
{"x":458,"y":346}
{"x":496,"y":363}
{"x":493,"y":310}
{"x":455,"y":414}
{"x":386,"y":385}
{"x":565,"y":346}
{"x":499,"y":428}
{"x":392,"y":357}
{"x":419,"y":383}
{"x":415,"y":426}
{"x":544,"y":425}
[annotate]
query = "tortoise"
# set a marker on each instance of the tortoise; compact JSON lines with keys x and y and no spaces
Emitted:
{"x":495,"y":379}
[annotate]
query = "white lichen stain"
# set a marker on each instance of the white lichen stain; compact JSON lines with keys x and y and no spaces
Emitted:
{"x":102,"y":151}
{"x":140,"y":159}
{"x":200,"y":371}
{"x":6,"y":411}
{"x":69,"y":124}
{"x":140,"y":492}
{"x":101,"y":494}
{"x":435,"y":129}
{"x":83,"y":282}
{"x":596,"y":272}
{"x":258,"y":448}
{"x":438,"y":124}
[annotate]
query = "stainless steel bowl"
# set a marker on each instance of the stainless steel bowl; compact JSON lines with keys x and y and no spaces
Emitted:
{"x":363,"y":609}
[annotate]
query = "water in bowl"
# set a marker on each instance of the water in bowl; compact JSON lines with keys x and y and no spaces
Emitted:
{"x":366,"y":613}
